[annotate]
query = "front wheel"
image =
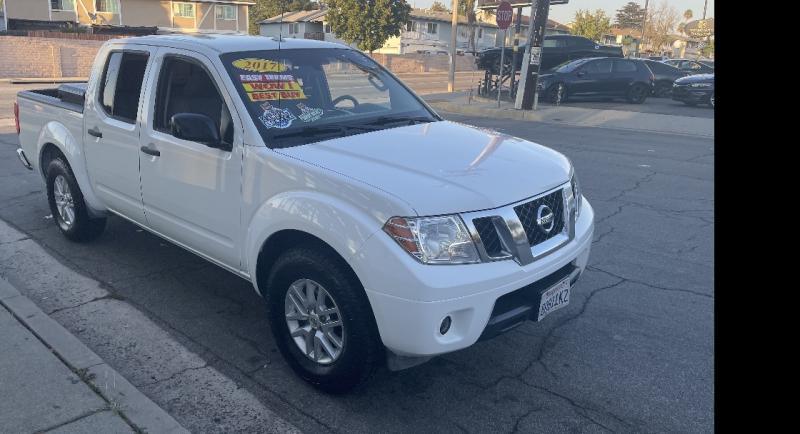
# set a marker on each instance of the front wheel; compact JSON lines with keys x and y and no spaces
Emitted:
{"x":637,"y":94}
{"x":662,"y":90}
{"x":67,"y":205}
{"x":321,"y":319}
{"x":557,"y":93}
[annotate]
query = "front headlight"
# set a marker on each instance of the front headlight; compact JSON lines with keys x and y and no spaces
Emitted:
{"x":434,"y":240}
{"x":576,"y":193}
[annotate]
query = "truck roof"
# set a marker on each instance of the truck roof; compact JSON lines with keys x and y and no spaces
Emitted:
{"x":225,"y":43}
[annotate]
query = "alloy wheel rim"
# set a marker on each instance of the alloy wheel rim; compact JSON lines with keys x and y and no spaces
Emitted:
{"x":314,"y":321}
{"x":62,"y":196}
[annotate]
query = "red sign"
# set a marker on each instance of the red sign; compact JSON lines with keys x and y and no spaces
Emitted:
{"x":504,"y":14}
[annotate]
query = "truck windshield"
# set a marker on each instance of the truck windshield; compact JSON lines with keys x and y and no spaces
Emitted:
{"x":301,"y":96}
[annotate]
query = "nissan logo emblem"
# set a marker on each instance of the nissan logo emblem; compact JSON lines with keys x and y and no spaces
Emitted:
{"x":545,"y":218}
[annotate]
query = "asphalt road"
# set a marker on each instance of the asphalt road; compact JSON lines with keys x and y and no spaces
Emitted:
{"x":632,"y":352}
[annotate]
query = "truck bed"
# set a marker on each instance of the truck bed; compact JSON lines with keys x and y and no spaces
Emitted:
{"x":67,"y":96}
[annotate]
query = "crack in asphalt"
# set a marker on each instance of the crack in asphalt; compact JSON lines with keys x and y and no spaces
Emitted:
{"x":181,"y":372}
{"x":647,"y":178}
{"x":515,"y":428}
{"x":13,"y":199}
{"x":649,"y":285}
{"x":14,"y":241}
{"x":103,"y":297}
{"x":579,"y":409}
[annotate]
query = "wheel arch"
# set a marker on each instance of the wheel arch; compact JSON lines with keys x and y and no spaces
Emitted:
{"x":314,"y":217}
{"x":55,"y":140}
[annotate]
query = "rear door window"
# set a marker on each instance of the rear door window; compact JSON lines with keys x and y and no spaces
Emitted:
{"x":121,"y":85}
{"x":624,"y":66}
{"x":598,"y":67}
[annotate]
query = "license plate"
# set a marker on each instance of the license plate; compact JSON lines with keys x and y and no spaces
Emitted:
{"x":554,"y":298}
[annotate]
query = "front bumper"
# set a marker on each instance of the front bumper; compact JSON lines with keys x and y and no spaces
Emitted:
{"x":691,"y":95}
{"x":410,"y":299}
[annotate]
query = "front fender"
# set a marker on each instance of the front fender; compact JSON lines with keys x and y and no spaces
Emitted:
{"x":338,"y":223}
{"x":59,"y":135}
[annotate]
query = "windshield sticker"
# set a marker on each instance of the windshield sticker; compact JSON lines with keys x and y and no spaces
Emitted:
{"x":259,"y":65}
{"x":274,"y":117}
{"x":309,"y":114}
{"x":271,"y":87}
{"x":265,"y":77}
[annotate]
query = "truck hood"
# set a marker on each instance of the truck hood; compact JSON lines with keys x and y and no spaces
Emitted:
{"x":442,"y":167}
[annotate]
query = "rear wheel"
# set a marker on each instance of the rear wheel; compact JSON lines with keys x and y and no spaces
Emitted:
{"x":637,"y":94}
{"x":322,"y":320}
{"x":67,"y":205}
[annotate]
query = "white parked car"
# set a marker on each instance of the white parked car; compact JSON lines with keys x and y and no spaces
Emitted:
{"x":375,"y":230}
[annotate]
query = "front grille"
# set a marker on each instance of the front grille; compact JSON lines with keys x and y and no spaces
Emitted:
{"x":527,"y":214}
{"x":489,"y":236}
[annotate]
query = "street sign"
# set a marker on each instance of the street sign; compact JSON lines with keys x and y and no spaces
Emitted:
{"x":504,"y":14}
{"x":536,"y":55}
{"x":700,"y":28}
{"x":493,"y":4}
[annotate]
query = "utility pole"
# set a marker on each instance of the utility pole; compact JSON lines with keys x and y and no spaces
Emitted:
{"x":527,"y":92}
{"x":517,"y":29}
{"x":644,"y":24}
{"x":451,"y":81}
{"x":705,"y":6}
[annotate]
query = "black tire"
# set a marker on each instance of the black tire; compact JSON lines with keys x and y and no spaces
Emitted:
{"x":637,"y":94}
{"x":662,"y":90}
{"x":81,"y":227}
{"x":362,"y":348}
{"x":557,"y":94}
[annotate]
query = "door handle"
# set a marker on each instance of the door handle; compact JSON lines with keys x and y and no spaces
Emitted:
{"x":95,"y":132}
{"x":150,"y":151}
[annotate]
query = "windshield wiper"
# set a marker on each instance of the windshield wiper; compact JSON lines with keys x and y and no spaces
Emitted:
{"x":385,"y":120}
{"x":322,"y":130}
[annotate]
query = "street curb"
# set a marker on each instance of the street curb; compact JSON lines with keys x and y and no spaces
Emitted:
{"x":37,"y":80}
{"x":137,"y":408}
{"x":592,"y":118}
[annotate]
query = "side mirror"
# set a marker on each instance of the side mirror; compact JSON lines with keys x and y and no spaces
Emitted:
{"x":195,"y":127}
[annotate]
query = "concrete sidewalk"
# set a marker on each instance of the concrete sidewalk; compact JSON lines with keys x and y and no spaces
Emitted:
{"x":466,"y":103}
{"x":51,"y":382}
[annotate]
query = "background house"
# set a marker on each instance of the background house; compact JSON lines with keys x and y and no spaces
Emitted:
{"x":164,"y":16}
{"x":552,"y":27}
{"x":426,"y":32}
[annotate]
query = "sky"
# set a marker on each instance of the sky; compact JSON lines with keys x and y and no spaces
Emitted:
{"x":565,"y":13}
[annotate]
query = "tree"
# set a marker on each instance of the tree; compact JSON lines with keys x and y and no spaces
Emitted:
{"x":687,"y":15}
{"x":367,"y":23}
{"x":438,"y":6}
{"x":661,"y":22}
{"x":708,"y":49}
{"x":467,"y":8}
{"x":630,"y":16}
{"x":264,"y":9}
{"x":591,"y":25}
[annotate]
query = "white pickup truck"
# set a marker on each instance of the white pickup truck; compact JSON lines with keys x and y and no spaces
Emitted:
{"x":375,"y":230}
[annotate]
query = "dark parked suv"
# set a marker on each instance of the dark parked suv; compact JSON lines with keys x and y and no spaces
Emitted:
{"x":604,"y":77}
{"x":556,"y":50}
